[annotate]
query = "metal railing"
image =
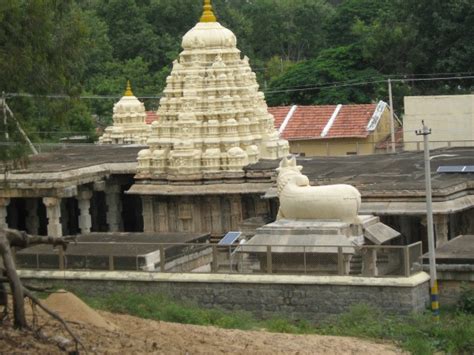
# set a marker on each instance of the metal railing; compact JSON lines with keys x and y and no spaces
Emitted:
{"x":367,"y":260}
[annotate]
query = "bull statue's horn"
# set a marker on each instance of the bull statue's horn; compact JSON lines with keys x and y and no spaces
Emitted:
{"x":292,"y":161}
{"x":284,"y":163}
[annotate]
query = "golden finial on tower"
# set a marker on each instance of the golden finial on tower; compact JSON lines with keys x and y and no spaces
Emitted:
{"x":208,"y":13}
{"x":128,"y":90}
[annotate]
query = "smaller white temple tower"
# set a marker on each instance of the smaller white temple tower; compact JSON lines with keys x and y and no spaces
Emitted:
{"x":129,"y":122}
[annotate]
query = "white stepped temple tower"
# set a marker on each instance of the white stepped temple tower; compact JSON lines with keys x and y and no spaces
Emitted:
{"x":213,"y":120}
{"x":129,"y":125}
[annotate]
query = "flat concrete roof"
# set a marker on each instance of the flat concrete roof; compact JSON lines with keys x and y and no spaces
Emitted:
{"x":381,"y":175}
{"x":119,"y":244}
{"x":379,"y":171}
{"x":459,"y":250}
{"x":58,"y":173}
{"x":394,"y":179}
{"x":80,"y":156}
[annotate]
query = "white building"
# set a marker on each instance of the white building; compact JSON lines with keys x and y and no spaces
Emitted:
{"x":450,"y":117}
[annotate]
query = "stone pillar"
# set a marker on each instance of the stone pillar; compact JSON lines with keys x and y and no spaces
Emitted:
{"x":163,"y":225}
{"x":4,"y":202}
{"x":148,"y":214}
{"x":369,"y":263}
{"x":216,"y":216}
{"x":441,"y":230}
{"x":185,"y":215}
{"x":84,"y":202}
{"x":114,"y":208}
{"x":53,"y":213}
{"x":235,"y":212}
{"x":32,"y":219}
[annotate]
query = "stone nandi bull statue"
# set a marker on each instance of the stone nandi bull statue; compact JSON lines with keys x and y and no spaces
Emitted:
{"x":300,"y":200}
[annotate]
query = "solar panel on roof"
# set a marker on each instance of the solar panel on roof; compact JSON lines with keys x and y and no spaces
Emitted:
{"x":456,"y":169}
{"x":230,"y":238}
{"x":450,"y":169}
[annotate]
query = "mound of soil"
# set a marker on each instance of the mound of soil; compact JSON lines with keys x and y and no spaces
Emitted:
{"x":73,"y":309}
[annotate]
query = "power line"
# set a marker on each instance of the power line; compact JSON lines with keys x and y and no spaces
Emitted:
{"x":398,"y":77}
{"x":335,"y":85}
{"x":289,"y":89}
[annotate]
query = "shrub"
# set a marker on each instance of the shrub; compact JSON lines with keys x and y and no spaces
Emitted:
{"x":466,"y":299}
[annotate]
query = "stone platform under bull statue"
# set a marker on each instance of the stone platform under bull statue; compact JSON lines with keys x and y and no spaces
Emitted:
{"x":319,"y":231}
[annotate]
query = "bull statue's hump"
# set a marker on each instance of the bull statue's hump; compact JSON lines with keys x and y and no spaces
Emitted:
{"x":300,"y":200}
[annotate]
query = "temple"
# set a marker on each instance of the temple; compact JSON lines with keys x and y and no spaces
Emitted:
{"x":213,"y":118}
{"x":212,"y":164}
{"x":129,"y":125}
{"x":174,"y":186}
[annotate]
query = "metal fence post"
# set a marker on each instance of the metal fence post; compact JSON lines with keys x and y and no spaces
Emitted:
{"x":420,"y":253}
{"x":269,"y":259}
{"x":61,"y":258}
{"x":304,"y":257}
{"x":406,"y":261}
{"x":340,"y":262}
{"x":162,"y":258}
{"x":214,"y":264}
{"x":111,"y":263}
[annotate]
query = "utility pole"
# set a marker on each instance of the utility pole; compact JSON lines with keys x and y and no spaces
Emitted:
{"x":425,"y":132}
{"x":4,"y":106}
{"x":392,"y":123}
{"x":18,"y":126}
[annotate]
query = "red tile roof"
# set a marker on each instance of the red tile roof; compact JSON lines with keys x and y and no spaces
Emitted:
{"x":279,"y":113}
{"x":151,"y":116}
{"x":308,"y":122}
{"x":352,"y":121}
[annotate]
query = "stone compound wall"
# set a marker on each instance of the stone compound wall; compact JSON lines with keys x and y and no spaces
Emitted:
{"x":296,"y":297}
{"x":451,"y":281}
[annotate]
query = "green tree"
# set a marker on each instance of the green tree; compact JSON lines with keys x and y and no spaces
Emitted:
{"x":43,"y":46}
{"x":316,"y":81}
{"x":291,"y":29}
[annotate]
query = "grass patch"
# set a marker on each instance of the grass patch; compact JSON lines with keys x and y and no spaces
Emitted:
{"x":418,"y":334}
{"x":157,"y":307}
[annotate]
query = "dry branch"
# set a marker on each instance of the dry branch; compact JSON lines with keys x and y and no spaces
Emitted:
{"x":14,"y":281}
{"x":9,"y":238}
{"x":22,"y":240}
{"x":55,"y":316}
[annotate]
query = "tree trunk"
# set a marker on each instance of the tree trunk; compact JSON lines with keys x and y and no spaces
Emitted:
{"x":14,"y":281}
{"x":3,"y":294}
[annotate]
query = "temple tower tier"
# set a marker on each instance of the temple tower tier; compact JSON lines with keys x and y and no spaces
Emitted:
{"x":129,"y":125}
{"x":213,"y":120}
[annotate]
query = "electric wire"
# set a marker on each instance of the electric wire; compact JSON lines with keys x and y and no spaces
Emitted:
{"x":289,"y":89}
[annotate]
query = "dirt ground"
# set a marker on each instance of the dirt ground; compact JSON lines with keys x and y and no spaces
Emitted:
{"x":107,"y":333}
